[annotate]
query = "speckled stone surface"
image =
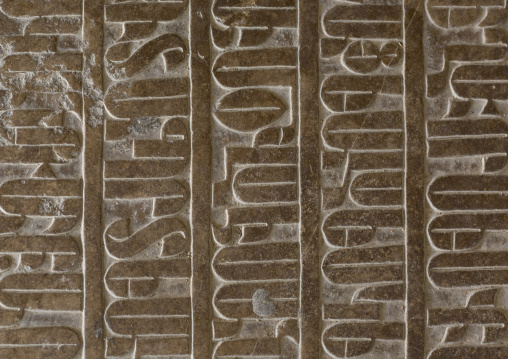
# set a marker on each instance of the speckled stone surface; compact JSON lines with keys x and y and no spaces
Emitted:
{"x":253,"y":179}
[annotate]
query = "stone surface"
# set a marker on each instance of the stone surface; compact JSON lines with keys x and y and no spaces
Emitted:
{"x":293,"y":179}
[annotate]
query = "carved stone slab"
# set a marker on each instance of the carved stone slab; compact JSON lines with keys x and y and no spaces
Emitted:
{"x":253,"y":179}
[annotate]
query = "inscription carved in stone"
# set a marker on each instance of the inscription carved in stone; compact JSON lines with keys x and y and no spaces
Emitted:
{"x":219,"y":179}
{"x":465,"y":188}
{"x":362,"y":180}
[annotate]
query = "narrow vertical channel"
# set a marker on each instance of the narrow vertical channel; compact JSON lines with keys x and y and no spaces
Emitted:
{"x":309,"y":178}
{"x":415,"y":174}
{"x":93,"y":84}
{"x":201,"y":176}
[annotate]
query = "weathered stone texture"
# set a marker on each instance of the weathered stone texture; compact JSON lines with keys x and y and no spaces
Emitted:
{"x":293,"y":179}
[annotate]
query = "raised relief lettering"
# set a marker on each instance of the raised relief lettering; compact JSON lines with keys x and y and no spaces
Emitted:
{"x":41,"y":179}
{"x":362,"y":180}
{"x":466,"y":183}
{"x":256,"y":245}
{"x":147,"y":236}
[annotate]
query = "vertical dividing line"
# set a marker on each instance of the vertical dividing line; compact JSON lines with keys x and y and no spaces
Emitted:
{"x":310,"y":203}
{"x":93,"y":141}
{"x":415,"y":178}
{"x":201,"y":177}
